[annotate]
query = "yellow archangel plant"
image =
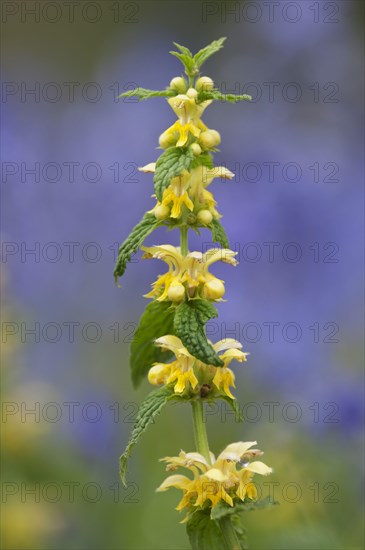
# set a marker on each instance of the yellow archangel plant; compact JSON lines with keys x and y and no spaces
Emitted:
{"x":170,"y":346}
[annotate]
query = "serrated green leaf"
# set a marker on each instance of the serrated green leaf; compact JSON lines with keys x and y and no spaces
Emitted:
{"x":187,"y":61}
{"x":235,"y":406}
{"x":183,"y":49}
{"x":219,"y":96}
{"x":205,"y":159}
{"x":133,"y":242}
{"x":203,"y":533}
{"x":189,"y":324}
{"x":192,"y":63}
{"x":150,"y":408}
{"x":218,"y":234}
{"x":143,"y":93}
{"x":222,"y":509}
{"x":170,"y":165}
{"x":157,"y":320}
{"x":205,"y":53}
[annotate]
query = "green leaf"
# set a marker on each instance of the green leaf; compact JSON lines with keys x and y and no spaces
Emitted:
{"x":192,"y":63}
{"x":143,"y":93}
{"x":218,"y":234}
{"x":186,"y":58}
{"x":235,"y":406}
{"x":150,"y":408}
{"x":169,"y":165}
{"x":157,"y":320}
{"x":133,"y":242}
{"x":240,"y":531}
{"x":183,"y":49}
{"x":209,"y":50}
{"x":189,"y":323}
{"x":187,"y":61}
{"x":219,"y":96}
{"x":203,"y":533}
{"x":222,"y":509}
{"x":205,"y":159}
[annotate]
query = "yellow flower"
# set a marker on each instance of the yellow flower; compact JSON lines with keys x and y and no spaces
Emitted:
{"x":190,"y":270}
{"x":189,"y":189}
{"x":200,"y":178}
{"x":180,"y":371}
{"x":176,"y":195}
{"x":227,"y":478}
{"x":189,"y":113}
{"x":224,"y":377}
{"x":186,"y":369}
{"x":186,"y":108}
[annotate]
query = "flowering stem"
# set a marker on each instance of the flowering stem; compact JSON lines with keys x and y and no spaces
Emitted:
{"x":201,"y":440}
{"x":200,"y":431}
{"x":184,"y":240}
{"x":229,"y":534}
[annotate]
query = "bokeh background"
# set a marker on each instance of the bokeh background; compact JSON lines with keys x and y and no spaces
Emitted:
{"x":296,"y":304}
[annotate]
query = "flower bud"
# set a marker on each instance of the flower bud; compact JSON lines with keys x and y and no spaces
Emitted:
{"x":166,"y":139}
{"x":205,"y":217}
{"x":209,"y":139}
{"x":161,"y":212}
{"x":196,"y":149}
{"x":205,"y":84}
{"x":192,"y":93}
{"x":213,"y":289}
{"x":179,"y":84}
{"x":176,"y":292}
{"x":191,"y":218}
{"x":157,"y":374}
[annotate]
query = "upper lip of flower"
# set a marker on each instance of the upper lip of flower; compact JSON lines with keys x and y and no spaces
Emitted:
{"x":233,"y":453}
{"x":200,"y":174}
{"x":186,"y":107}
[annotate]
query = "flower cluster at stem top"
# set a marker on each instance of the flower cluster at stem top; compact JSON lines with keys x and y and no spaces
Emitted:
{"x":187,"y":193}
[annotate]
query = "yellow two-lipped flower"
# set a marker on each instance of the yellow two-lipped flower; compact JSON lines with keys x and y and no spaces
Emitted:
{"x":227,"y":478}
{"x":189,"y":189}
{"x":189,"y":113}
{"x":186,"y":370}
{"x":188,"y":276}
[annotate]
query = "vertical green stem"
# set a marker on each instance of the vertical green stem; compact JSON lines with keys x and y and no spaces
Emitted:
{"x":184,"y":240}
{"x":201,"y":441}
{"x":200,"y":432}
{"x":229,"y":534}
